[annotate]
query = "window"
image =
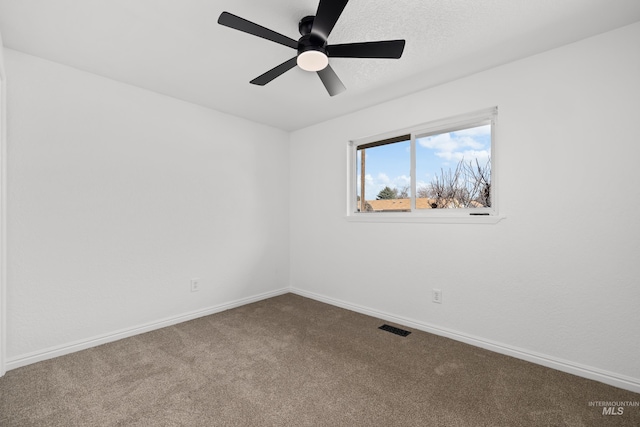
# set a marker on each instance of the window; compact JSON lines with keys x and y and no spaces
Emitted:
{"x":440,"y":170}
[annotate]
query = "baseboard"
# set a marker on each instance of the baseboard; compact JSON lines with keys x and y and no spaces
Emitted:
{"x":610,"y":378}
{"x":52,"y":352}
{"x":613,"y":379}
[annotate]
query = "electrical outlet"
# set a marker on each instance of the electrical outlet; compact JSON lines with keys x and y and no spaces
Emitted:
{"x":437,"y":296}
{"x":195,"y":285}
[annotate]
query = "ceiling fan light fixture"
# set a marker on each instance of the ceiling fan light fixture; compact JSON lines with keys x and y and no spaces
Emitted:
{"x":312,"y":60}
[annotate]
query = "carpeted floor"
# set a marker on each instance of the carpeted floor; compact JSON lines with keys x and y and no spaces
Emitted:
{"x":292,"y":361}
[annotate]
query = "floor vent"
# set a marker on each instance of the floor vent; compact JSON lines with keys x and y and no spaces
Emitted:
{"x":394,"y":330}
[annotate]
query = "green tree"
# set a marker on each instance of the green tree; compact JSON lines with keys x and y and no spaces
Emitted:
{"x":387,"y":193}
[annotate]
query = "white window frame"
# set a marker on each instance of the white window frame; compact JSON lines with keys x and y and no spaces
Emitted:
{"x":488,"y":215}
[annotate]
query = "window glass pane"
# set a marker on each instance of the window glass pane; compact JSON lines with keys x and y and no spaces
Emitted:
{"x":383,"y":173}
{"x":453,"y":169}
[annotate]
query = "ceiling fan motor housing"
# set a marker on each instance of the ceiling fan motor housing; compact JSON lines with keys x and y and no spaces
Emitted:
{"x":305,"y":25}
{"x":312,"y":49}
{"x":310,"y":41}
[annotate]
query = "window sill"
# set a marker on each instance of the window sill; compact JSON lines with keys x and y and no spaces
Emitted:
{"x":458,"y":219}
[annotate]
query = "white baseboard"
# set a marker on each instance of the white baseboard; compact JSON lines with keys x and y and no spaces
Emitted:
{"x":61,"y":350}
{"x":616,"y":380}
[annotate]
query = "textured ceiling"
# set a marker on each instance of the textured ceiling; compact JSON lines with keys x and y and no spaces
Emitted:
{"x":176,"y":47}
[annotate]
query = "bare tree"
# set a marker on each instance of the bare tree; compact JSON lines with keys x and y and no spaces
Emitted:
{"x":403,"y":192}
{"x":480,"y":180}
{"x":466,"y":186}
{"x":422,"y":192}
{"x":445,"y":188}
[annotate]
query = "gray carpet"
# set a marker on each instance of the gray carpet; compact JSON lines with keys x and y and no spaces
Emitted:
{"x":292,"y":361}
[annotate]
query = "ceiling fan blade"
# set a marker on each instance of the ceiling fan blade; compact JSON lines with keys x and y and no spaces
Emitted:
{"x":326,"y":17}
{"x":384,"y":49}
{"x":331,"y":81}
{"x":275,"y":72}
{"x":232,"y":21}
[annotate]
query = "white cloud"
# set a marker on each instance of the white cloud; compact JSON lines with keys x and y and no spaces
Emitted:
{"x":468,"y":155}
{"x":442,"y":142}
{"x":401,"y":181}
{"x":421,"y":184}
{"x":446,"y":143}
{"x":455,"y":146}
{"x":467,"y":141}
{"x":383,"y":178}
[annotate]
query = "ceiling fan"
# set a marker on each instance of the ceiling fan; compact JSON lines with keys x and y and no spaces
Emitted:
{"x":313,"y":50}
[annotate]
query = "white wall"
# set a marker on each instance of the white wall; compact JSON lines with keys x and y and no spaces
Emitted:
{"x":3,"y":168}
{"x":558,"y":281}
{"x":118,"y":196}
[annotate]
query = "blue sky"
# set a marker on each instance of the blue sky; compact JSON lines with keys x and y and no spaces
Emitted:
{"x":390,"y":165}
